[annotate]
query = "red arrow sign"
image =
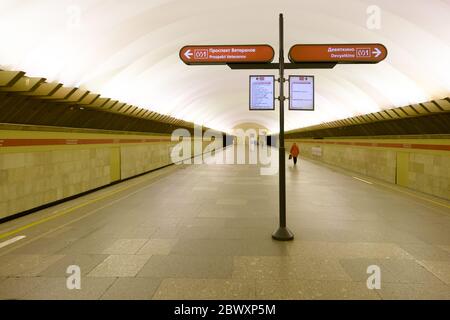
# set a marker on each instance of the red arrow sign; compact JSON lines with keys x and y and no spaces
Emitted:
{"x":340,"y":53}
{"x":224,"y":54}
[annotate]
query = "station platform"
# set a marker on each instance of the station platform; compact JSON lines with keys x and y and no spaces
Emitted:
{"x":204,"y":232}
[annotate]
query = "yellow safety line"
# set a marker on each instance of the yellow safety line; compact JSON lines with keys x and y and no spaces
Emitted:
{"x":64,"y":212}
{"x":61,"y":226}
{"x":69,"y":210}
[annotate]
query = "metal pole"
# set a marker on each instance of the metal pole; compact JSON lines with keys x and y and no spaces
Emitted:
{"x":282,"y":233}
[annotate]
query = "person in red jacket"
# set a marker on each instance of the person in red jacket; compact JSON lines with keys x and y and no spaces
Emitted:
{"x":294,"y":152}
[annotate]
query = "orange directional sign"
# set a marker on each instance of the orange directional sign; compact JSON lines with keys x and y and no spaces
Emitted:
{"x":340,"y":53}
{"x":259,"y":53}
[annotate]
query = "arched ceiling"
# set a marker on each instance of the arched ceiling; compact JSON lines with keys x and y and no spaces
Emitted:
{"x":128,"y":51}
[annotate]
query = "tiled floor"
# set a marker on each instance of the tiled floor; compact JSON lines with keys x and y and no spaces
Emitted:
{"x":204,"y":232}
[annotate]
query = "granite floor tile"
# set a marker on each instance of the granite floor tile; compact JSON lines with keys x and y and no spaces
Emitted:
{"x":214,"y":212}
{"x":232,"y":202}
{"x":125,"y":246}
{"x":241,"y":221}
{"x":392,"y":270}
{"x":157,"y":247}
{"x":120,"y":266}
{"x":416,"y":291}
{"x":179,"y":266}
{"x":26,"y":264}
{"x":203,"y":222}
{"x":134,"y":232}
{"x":409,"y":271}
{"x":288,"y":268}
{"x":441,"y":269}
{"x":132,"y":289}
{"x":16,"y":288}
{"x":230,"y":247}
{"x":426,"y":252}
{"x":86,"y":262}
{"x":444,"y":247}
{"x":190,"y":232}
{"x":93,"y":244}
{"x":56,"y":289}
{"x":45,"y":246}
{"x":167,"y":232}
{"x":205,"y":289}
{"x":348,"y":250}
{"x":313,"y":290}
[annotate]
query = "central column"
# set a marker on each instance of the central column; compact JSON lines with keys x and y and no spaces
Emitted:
{"x":282,"y":233}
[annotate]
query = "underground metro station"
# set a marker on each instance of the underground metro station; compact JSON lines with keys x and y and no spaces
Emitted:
{"x":232,"y":150}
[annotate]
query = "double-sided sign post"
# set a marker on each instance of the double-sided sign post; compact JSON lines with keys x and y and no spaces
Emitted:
{"x":302,"y":56}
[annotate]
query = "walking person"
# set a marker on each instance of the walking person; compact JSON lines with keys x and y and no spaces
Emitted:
{"x":294,"y":152}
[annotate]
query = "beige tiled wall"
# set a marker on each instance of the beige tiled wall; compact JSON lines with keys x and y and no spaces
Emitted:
{"x":375,"y":163}
{"x":426,"y":171}
{"x":136,"y":159}
{"x":429,"y":173}
{"x":35,"y":178}
{"x":380,"y":164}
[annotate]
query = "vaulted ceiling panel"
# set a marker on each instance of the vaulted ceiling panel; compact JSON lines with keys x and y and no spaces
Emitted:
{"x":128,"y":51}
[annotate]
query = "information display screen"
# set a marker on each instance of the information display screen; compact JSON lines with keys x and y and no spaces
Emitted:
{"x":301,"y":93}
{"x":262,"y":92}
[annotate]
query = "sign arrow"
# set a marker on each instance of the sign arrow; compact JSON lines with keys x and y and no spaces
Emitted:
{"x":377,"y":52}
{"x":188,"y":54}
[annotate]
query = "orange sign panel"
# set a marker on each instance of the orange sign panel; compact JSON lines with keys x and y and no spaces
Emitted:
{"x":340,"y":53}
{"x":227,"y":54}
